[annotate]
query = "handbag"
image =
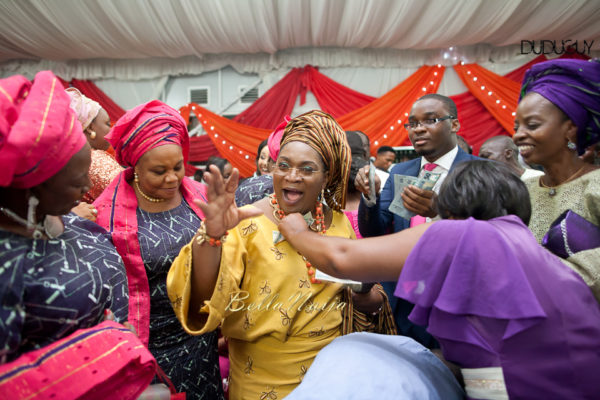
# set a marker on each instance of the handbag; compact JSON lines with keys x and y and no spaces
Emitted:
{"x":356,"y":321}
{"x":571,"y":233}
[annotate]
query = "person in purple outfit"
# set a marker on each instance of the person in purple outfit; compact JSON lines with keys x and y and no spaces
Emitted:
{"x":516,"y":320}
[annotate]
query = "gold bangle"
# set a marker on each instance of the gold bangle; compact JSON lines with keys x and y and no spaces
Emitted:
{"x":202,"y":237}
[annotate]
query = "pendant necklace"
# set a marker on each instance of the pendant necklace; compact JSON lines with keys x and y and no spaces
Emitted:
{"x":552,"y":192}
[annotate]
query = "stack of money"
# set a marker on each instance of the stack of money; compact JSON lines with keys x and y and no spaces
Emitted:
{"x":427,"y":182}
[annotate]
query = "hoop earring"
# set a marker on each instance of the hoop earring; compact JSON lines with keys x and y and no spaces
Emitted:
{"x":571,"y":146}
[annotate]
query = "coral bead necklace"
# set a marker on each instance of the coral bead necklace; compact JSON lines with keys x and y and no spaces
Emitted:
{"x":320,"y":228}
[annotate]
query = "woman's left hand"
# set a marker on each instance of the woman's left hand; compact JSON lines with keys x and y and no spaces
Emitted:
{"x":291,"y":225}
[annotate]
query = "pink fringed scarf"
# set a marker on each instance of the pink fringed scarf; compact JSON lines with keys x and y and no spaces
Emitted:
{"x":105,"y":361}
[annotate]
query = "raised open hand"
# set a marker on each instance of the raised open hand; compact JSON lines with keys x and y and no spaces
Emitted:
{"x":220,"y":212}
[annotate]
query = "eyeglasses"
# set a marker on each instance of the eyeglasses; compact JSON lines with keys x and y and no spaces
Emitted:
{"x":283,"y":168}
{"x":426,"y":123}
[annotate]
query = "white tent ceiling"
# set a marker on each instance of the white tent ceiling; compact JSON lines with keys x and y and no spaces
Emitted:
{"x":137,"y":39}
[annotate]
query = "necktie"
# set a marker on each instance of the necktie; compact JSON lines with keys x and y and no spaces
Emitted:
{"x":429,"y":166}
{"x":417,"y":219}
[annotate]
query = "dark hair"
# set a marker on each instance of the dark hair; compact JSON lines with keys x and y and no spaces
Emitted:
{"x":385,"y":149}
{"x":483,"y":190}
{"x":218,"y":161}
{"x":355,"y":143}
{"x":261,"y":146}
{"x":356,"y":164}
{"x":467,"y":147}
{"x":448,"y":102}
{"x":361,"y":133}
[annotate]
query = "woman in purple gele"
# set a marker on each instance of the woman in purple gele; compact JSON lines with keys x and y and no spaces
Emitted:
{"x":558,"y":117}
{"x":516,"y":320}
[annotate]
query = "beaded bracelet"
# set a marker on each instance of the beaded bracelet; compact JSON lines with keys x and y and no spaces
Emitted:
{"x":202,"y":236}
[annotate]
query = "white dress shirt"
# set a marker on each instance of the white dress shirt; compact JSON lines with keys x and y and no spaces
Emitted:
{"x":443,"y":167}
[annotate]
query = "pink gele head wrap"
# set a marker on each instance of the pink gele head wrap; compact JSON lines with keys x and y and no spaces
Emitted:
{"x":85,"y":108}
{"x":274,"y":141}
{"x":145,"y":127}
{"x":39,"y":132}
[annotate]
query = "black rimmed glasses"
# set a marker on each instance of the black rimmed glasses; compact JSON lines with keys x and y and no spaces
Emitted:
{"x":283,"y":168}
{"x":427,"y":122}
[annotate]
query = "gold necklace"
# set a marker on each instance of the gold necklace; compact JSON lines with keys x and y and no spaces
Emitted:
{"x":552,"y":191}
{"x":144,"y":195}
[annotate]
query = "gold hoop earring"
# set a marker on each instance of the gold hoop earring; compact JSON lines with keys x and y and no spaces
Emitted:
{"x":92,"y":135}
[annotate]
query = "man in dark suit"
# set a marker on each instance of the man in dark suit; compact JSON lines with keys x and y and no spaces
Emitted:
{"x":432,"y":127}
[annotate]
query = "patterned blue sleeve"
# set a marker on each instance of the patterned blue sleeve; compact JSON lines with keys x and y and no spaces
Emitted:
{"x":12,"y":314}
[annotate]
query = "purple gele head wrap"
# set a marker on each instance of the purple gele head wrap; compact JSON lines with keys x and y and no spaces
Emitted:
{"x":574,"y":87}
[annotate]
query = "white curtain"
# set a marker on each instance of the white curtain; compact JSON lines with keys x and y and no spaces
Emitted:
{"x":136,"y":40}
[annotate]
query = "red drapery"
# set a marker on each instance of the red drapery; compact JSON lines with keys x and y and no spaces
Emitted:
{"x":334,"y":98}
{"x":498,"y":94}
{"x":268,"y":111}
{"x":234,"y":141}
{"x":381,"y":119}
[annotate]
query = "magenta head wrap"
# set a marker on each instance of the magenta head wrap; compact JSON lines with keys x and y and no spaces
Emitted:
{"x":274,"y":141}
{"x":145,"y":127}
{"x":85,"y":108}
{"x":574,"y":87}
{"x":39,"y":132}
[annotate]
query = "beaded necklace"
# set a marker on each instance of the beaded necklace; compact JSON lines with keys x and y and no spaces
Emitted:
{"x":320,"y":228}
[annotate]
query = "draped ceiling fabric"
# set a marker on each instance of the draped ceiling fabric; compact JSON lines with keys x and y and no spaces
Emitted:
{"x":129,"y":40}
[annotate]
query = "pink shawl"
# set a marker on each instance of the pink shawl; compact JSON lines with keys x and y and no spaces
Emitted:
{"x":117,"y":207}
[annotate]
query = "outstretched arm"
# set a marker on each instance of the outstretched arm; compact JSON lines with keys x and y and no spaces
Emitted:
{"x":220,"y":215}
{"x":365,"y":260}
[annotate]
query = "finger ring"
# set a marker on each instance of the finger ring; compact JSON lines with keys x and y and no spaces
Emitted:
{"x":94,"y":211}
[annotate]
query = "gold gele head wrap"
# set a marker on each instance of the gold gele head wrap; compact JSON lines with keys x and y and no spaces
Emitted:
{"x":323,"y":134}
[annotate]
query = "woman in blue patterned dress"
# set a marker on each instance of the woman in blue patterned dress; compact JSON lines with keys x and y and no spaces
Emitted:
{"x":149,"y":211}
{"x":61,"y":276}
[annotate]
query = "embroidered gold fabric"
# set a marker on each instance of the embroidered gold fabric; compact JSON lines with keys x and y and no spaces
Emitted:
{"x":275,"y":319}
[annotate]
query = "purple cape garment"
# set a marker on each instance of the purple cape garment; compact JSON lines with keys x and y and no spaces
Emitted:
{"x":493,"y":297}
